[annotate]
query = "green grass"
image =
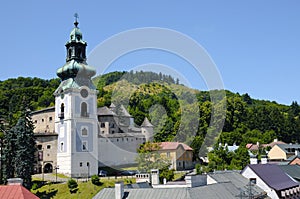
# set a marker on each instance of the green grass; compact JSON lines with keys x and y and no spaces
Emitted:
{"x":59,"y":175}
{"x":86,"y":190}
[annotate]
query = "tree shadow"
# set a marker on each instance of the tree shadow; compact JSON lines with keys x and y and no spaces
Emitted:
{"x":46,"y":194}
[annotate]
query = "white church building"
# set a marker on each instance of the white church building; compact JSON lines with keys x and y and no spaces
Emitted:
{"x":75,"y":136}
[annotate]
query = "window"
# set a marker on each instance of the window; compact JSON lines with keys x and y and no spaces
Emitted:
{"x":61,"y":146}
{"x":70,"y":50}
{"x":253,"y":180}
{"x":112,"y":132}
{"x":62,"y":111}
{"x":80,"y":164}
{"x":84,"y":132}
{"x":50,"y":119}
{"x":168,"y":154}
{"x":179,"y":163}
{"x":48,"y":146}
{"x":84,"y":146}
{"x":35,"y":121}
{"x":102,"y":124}
{"x":117,"y":140}
{"x":39,"y":147}
{"x":84,"y":112}
{"x":42,"y":120}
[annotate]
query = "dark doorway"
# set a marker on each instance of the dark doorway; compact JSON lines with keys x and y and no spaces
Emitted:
{"x":48,"y":168}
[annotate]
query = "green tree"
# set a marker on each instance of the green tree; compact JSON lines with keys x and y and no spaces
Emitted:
{"x":25,"y":148}
{"x":149,"y":158}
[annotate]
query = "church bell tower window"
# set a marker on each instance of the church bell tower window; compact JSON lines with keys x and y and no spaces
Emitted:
{"x":84,"y":112}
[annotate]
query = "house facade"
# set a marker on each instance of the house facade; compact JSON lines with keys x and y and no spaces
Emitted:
{"x":180,"y":154}
{"x":273,"y":180}
{"x":282,"y":152}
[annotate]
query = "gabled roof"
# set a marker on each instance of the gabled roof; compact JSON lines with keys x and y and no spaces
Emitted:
{"x":174,"y":145}
{"x":16,"y":192}
{"x":105,"y":111}
{"x":235,"y":178}
{"x":273,"y":176}
{"x":146,"y":123}
{"x":124,"y":112}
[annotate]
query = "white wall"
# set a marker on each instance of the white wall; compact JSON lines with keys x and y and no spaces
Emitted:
{"x":248,"y":173}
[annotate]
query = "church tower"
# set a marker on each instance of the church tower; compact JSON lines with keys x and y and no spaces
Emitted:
{"x":76,"y":112}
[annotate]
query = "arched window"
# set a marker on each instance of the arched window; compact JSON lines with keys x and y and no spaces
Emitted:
{"x":84,"y":112}
{"x":78,"y":53}
{"x":62,"y":111}
{"x":84,"y":132}
{"x":70,"y":53}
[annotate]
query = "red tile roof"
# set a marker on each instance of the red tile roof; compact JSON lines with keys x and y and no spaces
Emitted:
{"x":16,"y":192}
{"x":174,"y":145}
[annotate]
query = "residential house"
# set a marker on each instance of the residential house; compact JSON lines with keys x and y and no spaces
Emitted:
{"x":255,"y":147}
{"x":281,"y":152}
{"x":294,"y":160}
{"x":273,"y":180}
{"x":15,"y":190}
{"x":181,"y":155}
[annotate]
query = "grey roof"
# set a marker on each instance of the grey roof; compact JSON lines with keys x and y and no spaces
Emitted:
{"x":145,"y":193}
{"x":291,"y":170}
{"x":124,"y":112}
{"x":273,"y":176}
{"x":49,"y":109}
{"x":105,"y":111}
{"x":122,"y":135}
{"x":235,"y":178}
{"x":138,"y":185}
{"x":224,"y":190}
{"x":146,"y":123}
{"x":286,"y":147}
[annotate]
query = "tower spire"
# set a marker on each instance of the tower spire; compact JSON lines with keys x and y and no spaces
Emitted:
{"x":76,"y":21}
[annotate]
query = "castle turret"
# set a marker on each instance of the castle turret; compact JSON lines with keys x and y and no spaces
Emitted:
{"x":147,"y":130}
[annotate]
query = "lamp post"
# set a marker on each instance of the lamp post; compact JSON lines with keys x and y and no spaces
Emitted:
{"x":56,"y":168}
{"x":88,"y":165}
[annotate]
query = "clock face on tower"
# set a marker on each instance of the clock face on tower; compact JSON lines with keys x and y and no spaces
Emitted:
{"x":84,"y":93}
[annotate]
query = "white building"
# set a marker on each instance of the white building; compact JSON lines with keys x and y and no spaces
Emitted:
{"x":87,"y":136}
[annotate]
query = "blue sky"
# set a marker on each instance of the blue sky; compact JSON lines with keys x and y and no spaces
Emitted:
{"x":254,"y":44}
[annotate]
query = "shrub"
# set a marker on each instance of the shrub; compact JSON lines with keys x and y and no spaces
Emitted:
{"x":96,"y":180}
{"x":73,"y":186}
{"x":35,"y":186}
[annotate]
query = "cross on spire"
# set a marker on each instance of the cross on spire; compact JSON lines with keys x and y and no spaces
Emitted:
{"x":76,"y":17}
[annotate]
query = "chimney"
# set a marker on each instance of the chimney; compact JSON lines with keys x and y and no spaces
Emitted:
{"x":119,"y":190}
{"x":253,"y":159}
{"x":154,"y":176}
{"x":264,"y":159}
{"x":15,"y":181}
{"x":276,"y":140}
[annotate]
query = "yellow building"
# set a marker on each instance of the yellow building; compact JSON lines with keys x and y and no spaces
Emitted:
{"x":181,"y":155}
{"x":283,"y":151}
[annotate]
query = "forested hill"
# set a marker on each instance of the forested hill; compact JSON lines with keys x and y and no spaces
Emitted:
{"x":169,"y":106}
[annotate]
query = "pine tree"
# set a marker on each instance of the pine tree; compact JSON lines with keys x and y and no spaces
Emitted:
{"x":8,"y":154}
{"x":25,"y":148}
